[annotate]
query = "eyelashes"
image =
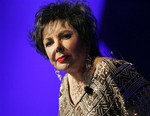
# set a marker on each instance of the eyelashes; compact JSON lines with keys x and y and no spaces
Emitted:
{"x":67,"y":36}
{"x":64,"y":36}
{"x":49,"y":43}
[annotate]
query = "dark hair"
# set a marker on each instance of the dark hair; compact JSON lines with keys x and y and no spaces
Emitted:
{"x":77,"y":14}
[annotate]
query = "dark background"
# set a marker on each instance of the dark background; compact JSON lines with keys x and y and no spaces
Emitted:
{"x":125,"y":28}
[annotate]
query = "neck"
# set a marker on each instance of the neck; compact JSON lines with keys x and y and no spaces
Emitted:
{"x":81,"y":75}
{"x":78,"y":77}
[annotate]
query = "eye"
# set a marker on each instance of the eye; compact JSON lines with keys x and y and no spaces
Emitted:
{"x":48,"y":43}
{"x":67,"y":35}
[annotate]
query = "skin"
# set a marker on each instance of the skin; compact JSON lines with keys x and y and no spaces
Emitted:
{"x":61,"y":40}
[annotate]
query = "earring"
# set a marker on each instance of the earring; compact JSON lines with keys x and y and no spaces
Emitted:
{"x":57,"y":72}
{"x":87,"y":80}
{"x":88,"y":62}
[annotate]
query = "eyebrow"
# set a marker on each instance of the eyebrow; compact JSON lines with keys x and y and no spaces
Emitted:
{"x":59,"y":34}
{"x":65,"y":31}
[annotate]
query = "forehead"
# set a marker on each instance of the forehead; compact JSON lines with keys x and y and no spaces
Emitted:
{"x":56,"y":27}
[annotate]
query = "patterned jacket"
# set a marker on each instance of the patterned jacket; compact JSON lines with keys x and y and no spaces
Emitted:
{"x":118,"y":90}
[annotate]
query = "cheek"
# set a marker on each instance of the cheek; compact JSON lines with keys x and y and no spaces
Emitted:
{"x":49,"y":54}
{"x":76,"y":47}
{"x":51,"y":59}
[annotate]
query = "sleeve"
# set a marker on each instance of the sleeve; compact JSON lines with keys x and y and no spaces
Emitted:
{"x":134,"y":89}
{"x":139,"y":103}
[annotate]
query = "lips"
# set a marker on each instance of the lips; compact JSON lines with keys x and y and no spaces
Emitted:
{"x":62,"y":58}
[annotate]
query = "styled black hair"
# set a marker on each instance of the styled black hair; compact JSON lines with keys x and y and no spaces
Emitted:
{"x":77,"y":14}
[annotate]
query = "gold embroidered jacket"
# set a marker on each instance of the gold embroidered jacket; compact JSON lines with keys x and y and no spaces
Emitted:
{"x":118,"y":90}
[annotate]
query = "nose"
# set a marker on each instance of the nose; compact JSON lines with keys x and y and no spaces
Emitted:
{"x":59,"y":47}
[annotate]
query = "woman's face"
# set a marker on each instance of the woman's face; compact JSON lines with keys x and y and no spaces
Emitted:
{"x":65,"y":50}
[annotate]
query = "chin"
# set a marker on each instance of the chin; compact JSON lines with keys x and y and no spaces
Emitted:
{"x":63,"y":67}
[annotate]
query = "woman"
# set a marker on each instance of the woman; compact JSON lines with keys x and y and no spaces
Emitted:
{"x":65,"y":32}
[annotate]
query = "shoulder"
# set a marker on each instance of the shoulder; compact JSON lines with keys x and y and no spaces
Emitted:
{"x":124,"y":81}
{"x":113,"y":61}
{"x":113,"y":68}
{"x":120,"y":73}
{"x":112,"y":65}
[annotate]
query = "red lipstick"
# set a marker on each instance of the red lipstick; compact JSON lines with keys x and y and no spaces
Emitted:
{"x":62,"y":59}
